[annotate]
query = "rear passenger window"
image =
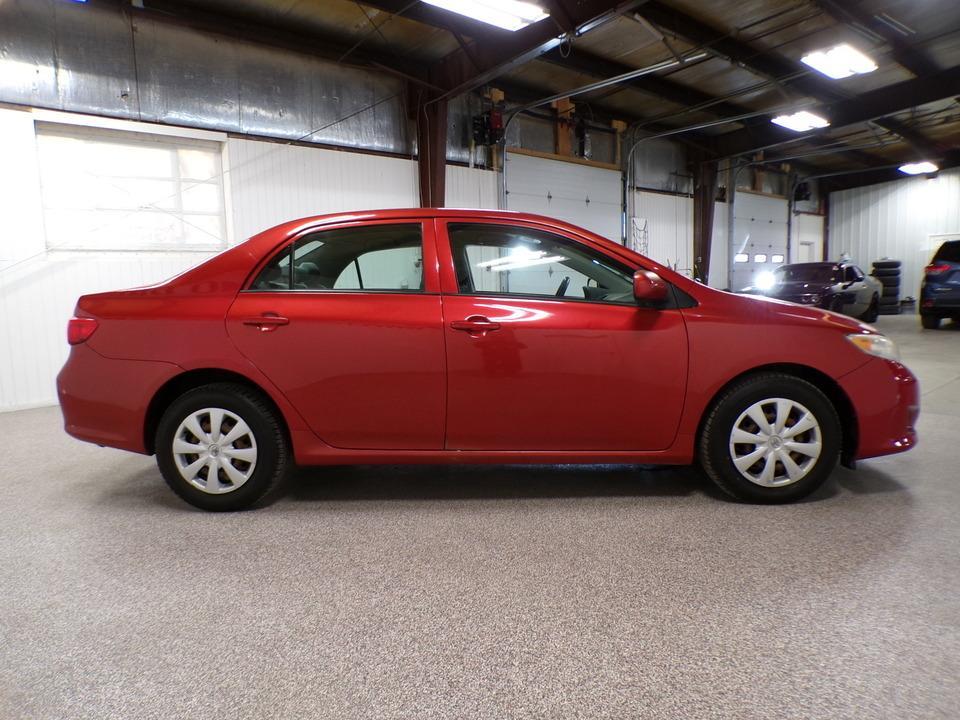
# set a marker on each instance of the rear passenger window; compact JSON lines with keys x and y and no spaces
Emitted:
{"x":374,"y":258}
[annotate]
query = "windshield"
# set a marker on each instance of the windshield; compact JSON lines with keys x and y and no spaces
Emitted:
{"x":806,"y":273}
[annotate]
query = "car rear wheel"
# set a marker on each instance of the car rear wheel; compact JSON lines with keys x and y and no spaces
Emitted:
{"x":221,"y":447}
{"x":771,"y":438}
{"x":930,"y":322}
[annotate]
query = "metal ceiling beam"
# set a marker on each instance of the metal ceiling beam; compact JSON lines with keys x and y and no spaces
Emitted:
{"x":865,"y":22}
{"x":744,"y":55}
{"x":482,"y":62}
{"x":654,"y":85}
{"x":886,"y":173}
{"x":675,"y":92}
{"x":870,"y":106}
{"x":435,"y":17}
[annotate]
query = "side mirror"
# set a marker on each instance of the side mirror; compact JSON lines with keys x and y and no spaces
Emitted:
{"x":648,"y":287}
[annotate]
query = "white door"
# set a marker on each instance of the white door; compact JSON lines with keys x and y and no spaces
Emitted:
{"x":587,"y":196}
{"x":807,"y":238}
{"x":759,"y":242}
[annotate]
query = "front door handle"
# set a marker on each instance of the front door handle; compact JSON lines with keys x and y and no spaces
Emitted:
{"x":267,"y":322}
{"x":476,"y":325}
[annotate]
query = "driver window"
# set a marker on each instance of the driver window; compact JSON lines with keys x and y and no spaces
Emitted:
{"x":502,"y":259}
{"x":850,"y":274}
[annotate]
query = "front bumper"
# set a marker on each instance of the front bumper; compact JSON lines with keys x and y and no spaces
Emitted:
{"x":886,"y":400}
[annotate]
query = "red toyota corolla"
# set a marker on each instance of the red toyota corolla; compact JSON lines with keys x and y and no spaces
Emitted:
{"x":426,"y":336}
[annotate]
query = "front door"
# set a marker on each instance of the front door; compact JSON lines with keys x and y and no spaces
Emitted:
{"x":346,"y":322}
{"x":548,"y":350}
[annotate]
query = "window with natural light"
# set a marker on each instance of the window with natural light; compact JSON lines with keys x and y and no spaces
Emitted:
{"x":117,"y":190}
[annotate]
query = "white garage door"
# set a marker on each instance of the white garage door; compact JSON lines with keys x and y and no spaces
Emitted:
{"x":586,"y":196}
{"x":759,"y":242}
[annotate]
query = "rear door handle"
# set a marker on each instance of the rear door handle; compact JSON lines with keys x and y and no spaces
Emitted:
{"x":476,"y":325}
{"x":267,"y":321}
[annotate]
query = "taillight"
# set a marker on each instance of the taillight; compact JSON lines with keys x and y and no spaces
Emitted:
{"x":936,"y":269}
{"x":80,"y":329}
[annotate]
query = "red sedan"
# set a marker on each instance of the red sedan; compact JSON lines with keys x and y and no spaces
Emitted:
{"x":462,"y":336}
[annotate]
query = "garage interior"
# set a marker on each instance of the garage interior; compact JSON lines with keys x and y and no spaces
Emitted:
{"x":141,"y":138}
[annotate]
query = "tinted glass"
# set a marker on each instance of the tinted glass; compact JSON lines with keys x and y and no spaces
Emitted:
{"x":521,"y":261}
{"x":948,"y":252}
{"x":807,"y":273}
{"x":376,"y":257}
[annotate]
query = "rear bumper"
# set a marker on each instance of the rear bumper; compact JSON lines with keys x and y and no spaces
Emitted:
{"x":939,"y":299}
{"x":886,"y":399}
{"x":105,"y":401}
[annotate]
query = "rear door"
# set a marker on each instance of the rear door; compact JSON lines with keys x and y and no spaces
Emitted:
{"x":347,"y":323}
{"x":547,"y":348}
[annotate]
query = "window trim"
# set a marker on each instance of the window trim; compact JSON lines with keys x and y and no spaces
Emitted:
{"x":430,"y":282}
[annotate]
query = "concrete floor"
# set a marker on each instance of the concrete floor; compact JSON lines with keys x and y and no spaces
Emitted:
{"x":484,"y":592}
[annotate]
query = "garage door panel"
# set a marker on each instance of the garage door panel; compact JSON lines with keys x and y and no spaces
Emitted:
{"x":580,"y":194}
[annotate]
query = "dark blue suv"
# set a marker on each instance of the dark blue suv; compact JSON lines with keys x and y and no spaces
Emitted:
{"x":940,"y":289}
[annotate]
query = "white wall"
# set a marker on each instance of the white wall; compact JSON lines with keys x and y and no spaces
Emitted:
{"x":590,"y":197}
{"x":272,"y":182}
{"x":669,"y":224}
{"x":38,"y":289}
{"x":471,"y":188}
{"x":266,"y":183}
{"x":806,"y":237}
{"x":896,"y":220}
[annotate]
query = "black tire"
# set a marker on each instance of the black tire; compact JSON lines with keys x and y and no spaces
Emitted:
{"x":886,"y":264}
{"x":890,"y":282}
{"x":891,"y":292}
{"x":714,"y":451}
{"x":870,"y":316}
{"x":886,"y":272}
{"x":894,"y":309}
{"x":930,"y":322}
{"x":271,"y":449}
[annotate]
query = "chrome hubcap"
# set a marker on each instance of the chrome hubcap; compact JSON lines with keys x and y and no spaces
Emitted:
{"x":775,"y":442}
{"x":215,"y":450}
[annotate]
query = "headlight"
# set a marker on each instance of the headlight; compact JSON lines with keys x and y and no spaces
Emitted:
{"x":878,"y":345}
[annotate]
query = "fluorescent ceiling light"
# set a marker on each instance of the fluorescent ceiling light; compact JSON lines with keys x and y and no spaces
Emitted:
{"x":507,"y":14}
{"x":840,"y":62}
{"x":919,"y":168}
{"x":801,"y":121}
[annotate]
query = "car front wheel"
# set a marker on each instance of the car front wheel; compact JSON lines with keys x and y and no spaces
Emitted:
{"x":770,"y":438}
{"x":221,"y":447}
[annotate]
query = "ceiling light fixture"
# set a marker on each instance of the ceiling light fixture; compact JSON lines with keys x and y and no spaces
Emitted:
{"x":919,"y":168}
{"x":507,"y":14}
{"x":801,"y":121}
{"x":840,"y":62}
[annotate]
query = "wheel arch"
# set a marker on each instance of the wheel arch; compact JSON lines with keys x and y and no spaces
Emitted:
{"x":823,"y":382}
{"x":188,"y":380}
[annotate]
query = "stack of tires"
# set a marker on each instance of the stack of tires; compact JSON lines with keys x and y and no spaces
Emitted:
{"x":888,"y":273}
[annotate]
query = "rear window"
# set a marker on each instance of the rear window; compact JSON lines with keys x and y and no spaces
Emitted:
{"x":948,"y":252}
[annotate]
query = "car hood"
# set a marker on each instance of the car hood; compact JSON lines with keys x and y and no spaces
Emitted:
{"x":798,"y":287}
{"x":792,"y":313}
